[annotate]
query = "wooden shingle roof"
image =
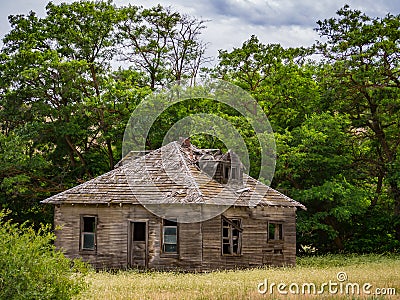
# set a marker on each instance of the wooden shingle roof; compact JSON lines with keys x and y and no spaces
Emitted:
{"x":169,"y":175}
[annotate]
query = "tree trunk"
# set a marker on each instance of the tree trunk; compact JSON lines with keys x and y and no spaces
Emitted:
{"x":378,"y":190}
{"x":110,"y":154}
{"x":395,"y":191}
{"x":75,"y":150}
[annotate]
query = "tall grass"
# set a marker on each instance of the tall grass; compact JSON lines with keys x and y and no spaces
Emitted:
{"x":380,"y":271}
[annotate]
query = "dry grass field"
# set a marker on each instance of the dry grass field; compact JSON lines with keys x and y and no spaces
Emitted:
{"x":373,"y":274}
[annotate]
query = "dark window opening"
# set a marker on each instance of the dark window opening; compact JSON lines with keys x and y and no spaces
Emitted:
{"x":170,"y":236}
{"x":88,"y":232}
{"x":231,"y":236}
{"x":139,"y":231}
{"x":226,"y":172}
{"x":275,"y":231}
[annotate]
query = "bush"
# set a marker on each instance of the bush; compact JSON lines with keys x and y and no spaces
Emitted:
{"x":31,"y":267}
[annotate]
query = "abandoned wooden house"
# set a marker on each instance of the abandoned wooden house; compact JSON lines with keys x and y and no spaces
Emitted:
{"x":103,"y":221}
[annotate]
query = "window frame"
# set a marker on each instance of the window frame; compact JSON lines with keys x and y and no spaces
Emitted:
{"x":278,"y":230}
{"x":163,"y":242}
{"x":233,"y":224}
{"x":234,"y":173}
{"x":83,"y":233}
{"x":227,"y":172}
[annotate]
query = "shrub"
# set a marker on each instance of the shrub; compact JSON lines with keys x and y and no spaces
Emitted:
{"x":31,"y":267}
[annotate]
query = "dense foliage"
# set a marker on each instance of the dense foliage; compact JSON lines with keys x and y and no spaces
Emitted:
{"x":31,"y":268}
{"x":64,"y":105}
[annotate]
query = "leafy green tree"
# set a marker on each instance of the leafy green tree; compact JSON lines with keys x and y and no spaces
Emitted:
{"x":26,"y":177}
{"x":275,"y":77}
{"x":84,"y":32}
{"x":320,"y":151}
{"x":59,"y":73}
{"x":60,"y":97}
{"x":278,"y":81}
{"x":315,"y":166}
{"x":364,"y":83}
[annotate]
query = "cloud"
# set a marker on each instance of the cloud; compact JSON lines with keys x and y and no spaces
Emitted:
{"x":268,"y":12}
{"x":287,"y":22}
{"x":228,"y":37}
{"x":283,"y":12}
{"x":376,"y":8}
{"x":254,"y":12}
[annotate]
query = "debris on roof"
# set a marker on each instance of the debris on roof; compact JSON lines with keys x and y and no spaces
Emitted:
{"x":175,"y":173}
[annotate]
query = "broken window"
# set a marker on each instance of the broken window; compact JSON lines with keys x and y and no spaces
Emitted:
{"x":275,"y":231}
{"x":231,"y":236}
{"x":226,"y":173}
{"x":88,"y":232}
{"x":232,"y":174}
{"x":170,"y":236}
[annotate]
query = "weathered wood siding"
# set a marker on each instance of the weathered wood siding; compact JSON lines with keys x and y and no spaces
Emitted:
{"x":112,"y":232}
{"x":256,"y":248}
{"x":199,"y":244}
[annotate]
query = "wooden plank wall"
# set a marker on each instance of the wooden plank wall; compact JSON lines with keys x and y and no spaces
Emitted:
{"x":112,"y":237}
{"x":112,"y":232}
{"x":199,"y":243}
{"x":256,"y":248}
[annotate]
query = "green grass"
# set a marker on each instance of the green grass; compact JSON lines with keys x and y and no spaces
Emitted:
{"x":381,"y":271}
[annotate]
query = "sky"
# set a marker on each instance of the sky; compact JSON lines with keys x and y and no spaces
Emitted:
{"x":290,"y":23}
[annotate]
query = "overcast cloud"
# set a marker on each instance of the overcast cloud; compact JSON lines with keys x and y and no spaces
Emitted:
{"x":231,"y":22}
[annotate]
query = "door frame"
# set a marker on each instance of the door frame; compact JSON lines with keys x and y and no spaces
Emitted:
{"x":130,"y":241}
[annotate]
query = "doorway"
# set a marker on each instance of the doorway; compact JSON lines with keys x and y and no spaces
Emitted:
{"x":138,"y":244}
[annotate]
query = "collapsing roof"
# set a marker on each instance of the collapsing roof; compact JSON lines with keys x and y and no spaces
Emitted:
{"x":172,"y":174}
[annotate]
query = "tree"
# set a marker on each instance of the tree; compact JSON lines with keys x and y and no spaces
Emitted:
{"x":364,"y":54}
{"x":84,"y":31}
{"x":59,"y":97}
{"x":321,"y":154}
{"x":162,"y":43}
{"x":60,"y":71}
{"x":315,"y":166}
{"x":187,"y":50}
{"x":275,"y":77}
{"x":26,"y":177}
